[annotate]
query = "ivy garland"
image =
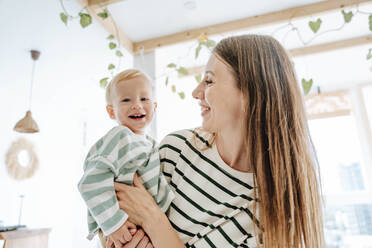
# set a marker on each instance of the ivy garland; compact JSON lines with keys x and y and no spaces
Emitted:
{"x":85,"y":20}
{"x":203,"y":41}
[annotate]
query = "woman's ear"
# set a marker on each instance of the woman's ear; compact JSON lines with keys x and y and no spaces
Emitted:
{"x":110,"y":111}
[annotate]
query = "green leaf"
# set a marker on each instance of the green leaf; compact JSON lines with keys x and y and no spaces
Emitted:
{"x":166,"y":81}
{"x":85,"y":19}
{"x":198,"y":78}
{"x":370,"y":22}
{"x":182,"y":95}
{"x":202,"y":38}
{"x":64,"y":18}
{"x":306,"y":85}
{"x":315,"y":25}
{"x":103,"y":14}
{"x":183,"y":70}
{"x":103,"y":82}
{"x":112,"y":45}
{"x":369,"y":55}
{"x":111,"y":66}
{"x":197,"y":51}
{"x":119,"y":53}
{"x":347,"y":16}
{"x":173,"y":88}
{"x":110,"y":37}
{"x":172,"y":65}
{"x":210,"y":43}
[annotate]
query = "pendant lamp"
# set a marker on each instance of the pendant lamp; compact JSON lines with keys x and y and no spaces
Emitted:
{"x":27,"y":124}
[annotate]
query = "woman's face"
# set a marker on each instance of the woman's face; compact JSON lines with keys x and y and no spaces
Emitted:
{"x":220,"y":100}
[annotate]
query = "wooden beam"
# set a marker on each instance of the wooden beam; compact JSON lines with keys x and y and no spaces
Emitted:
{"x":247,"y":23}
{"x":336,"y":45}
{"x":102,"y":2}
{"x":108,"y":25}
{"x":308,"y":50}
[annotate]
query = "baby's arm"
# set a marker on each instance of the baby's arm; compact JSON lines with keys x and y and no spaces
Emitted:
{"x":97,"y":189}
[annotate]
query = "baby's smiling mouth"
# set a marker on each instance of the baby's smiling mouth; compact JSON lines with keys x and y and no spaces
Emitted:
{"x":137,"y":116}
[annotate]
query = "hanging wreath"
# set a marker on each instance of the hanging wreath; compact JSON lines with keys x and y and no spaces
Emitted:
{"x":15,"y":169}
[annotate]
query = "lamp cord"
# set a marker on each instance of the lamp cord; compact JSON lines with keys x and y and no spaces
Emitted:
{"x":32,"y":84}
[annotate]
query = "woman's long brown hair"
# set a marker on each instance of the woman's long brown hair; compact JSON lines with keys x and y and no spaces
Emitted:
{"x":277,"y":141}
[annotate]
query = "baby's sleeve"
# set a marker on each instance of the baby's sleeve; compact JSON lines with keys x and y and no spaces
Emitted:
{"x":97,"y":184}
{"x":97,"y":189}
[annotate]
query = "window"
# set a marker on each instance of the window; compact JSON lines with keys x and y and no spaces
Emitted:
{"x":344,"y":173}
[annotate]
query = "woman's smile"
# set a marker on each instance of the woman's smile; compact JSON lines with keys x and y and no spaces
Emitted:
{"x":204,"y":109}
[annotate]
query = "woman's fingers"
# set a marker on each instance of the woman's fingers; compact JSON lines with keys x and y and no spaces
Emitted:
{"x":143,"y":243}
{"x":118,"y":244}
{"x":127,"y":235}
{"x":131,"y":225}
{"x":149,"y":245}
{"x":120,"y":186}
{"x":135,"y":239}
{"x":136,"y":201}
{"x":137,"y":181}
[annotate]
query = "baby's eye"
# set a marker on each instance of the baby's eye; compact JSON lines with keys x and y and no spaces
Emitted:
{"x":144,"y":99}
{"x":126,"y":100}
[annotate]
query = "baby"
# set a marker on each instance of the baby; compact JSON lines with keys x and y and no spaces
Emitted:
{"x":122,"y":152}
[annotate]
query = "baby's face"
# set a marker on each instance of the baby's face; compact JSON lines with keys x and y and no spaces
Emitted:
{"x":133,"y":104}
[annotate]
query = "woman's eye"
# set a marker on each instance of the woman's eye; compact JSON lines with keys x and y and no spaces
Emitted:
{"x":207,"y":82}
{"x":126,"y":100}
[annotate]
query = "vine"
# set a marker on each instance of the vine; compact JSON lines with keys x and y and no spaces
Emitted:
{"x":314,"y":25}
{"x":85,"y":20}
{"x":203,"y":42}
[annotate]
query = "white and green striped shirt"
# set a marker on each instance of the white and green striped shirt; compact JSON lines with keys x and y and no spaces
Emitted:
{"x":214,"y":203}
{"x":116,"y":157}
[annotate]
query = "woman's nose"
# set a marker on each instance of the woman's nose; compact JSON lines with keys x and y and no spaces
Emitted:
{"x":198,"y":92}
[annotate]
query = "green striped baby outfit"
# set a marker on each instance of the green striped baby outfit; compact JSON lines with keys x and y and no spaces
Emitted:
{"x":116,"y":157}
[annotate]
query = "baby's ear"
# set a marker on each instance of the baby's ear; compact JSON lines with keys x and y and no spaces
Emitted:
{"x":155,"y":105}
{"x":110,"y":111}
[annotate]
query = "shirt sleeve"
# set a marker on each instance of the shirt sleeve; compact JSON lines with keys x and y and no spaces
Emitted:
{"x":97,"y":189}
{"x":97,"y":184}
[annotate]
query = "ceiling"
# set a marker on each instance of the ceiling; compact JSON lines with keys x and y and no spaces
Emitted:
{"x":147,"y":19}
{"x":336,"y":59}
{"x":147,"y":25}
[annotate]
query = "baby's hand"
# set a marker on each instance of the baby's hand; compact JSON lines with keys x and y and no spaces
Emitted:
{"x":123,"y":234}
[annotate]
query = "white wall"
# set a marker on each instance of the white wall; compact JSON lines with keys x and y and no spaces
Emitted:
{"x":66,"y":94}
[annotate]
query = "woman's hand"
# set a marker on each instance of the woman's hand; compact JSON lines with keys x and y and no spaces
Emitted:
{"x":143,"y":211}
{"x":137,"y":202}
{"x":139,"y":240}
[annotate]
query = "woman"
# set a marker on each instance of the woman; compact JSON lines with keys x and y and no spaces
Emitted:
{"x":248,"y":177}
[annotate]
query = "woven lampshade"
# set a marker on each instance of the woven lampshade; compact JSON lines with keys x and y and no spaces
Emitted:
{"x":26,"y":124}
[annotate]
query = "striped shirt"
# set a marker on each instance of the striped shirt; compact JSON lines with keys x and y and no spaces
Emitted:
{"x":214,"y":203}
{"x":116,"y":157}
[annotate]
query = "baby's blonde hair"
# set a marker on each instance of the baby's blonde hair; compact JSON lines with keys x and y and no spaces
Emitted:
{"x":123,"y":76}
